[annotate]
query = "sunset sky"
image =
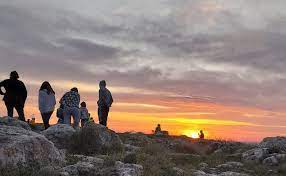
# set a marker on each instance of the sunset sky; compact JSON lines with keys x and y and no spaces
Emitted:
{"x":215,"y":65}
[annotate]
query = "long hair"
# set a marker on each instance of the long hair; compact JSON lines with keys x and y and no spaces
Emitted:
{"x":46,"y":85}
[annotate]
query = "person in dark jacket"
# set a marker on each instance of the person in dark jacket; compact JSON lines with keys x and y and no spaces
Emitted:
{"x":104,"y":103}
{"x":15,"y":95}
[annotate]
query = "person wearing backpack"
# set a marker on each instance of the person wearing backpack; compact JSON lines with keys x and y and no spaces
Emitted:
{"x":104,"y":103}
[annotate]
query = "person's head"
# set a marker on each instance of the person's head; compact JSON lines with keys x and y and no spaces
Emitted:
{"x":83,"y":104}
{"x":47,"y":86}
{"x":14,"y":75}
{"x":74,"y":89}
{"x":102,"y":84}
{"x":159,"y":125}
{"x":201,"y":131}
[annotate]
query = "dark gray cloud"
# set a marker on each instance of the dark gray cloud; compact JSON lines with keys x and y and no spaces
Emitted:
{"x":187,"y":47}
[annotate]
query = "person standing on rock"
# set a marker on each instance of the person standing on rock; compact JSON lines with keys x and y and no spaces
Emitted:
{"x":71,"y":101}
{"x":104,"y":103}
{"x":47,"y":102}
{"x":84,"y":115}
{"x":15,"y":95}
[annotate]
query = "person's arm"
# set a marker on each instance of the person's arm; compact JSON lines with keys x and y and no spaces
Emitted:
{"x":62,"y":101}
{"x":41,"y":100}
{"x":54,"y":100}
{"x":23,"y":91}
{"x":100,"y":96}
{"x":2,"y":84}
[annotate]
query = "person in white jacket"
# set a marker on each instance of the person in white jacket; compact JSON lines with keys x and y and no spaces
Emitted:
{"x":47,"y":102}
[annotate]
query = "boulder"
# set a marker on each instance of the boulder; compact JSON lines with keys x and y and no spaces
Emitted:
{"x":91,"y":166}
{"x":274,"y":144}
{"x":20,"y":146}
{"x":271,"y":161}
{"x":9,"y":121}
{"x":59,"y":134}
{"x":95,"y":139}
{"x":257,"y":155}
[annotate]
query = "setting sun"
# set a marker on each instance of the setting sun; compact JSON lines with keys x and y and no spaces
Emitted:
{"x":192,"y":133}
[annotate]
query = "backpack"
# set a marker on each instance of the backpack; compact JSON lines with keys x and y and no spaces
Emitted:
{"x":109,"y":98}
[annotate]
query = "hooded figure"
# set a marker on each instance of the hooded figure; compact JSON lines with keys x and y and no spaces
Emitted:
{"x":15,"y":95}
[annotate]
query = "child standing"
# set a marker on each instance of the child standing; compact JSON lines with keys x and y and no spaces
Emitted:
{"x":84,"y":115}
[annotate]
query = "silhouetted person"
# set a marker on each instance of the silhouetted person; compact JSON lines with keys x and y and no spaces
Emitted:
{"x":84,"y":115}
{"x":71,"y":101}
{"x":47,"y":102}
{"x":15,"y":95}
{"x":201,"y":135}
{"x":104,"y":103}
{"x":60,"y":114}
{"x":158,"y":129}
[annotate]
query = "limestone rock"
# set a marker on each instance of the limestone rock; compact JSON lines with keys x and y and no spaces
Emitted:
{"x":271,"y":161}
{"x":256,"y":155}
{"x":59,"y":134}
{"x":9,"y":121}
{"x":20,"y":146}
{"x":274,"y":144}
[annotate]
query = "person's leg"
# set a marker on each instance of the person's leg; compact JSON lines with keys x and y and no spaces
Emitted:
{"x":99,"y":115}
{"x":76,"y":117}
{"x":107,"y":112}
{"x":67,"y":116}
{"x":10,"y":109}
{"x":46,"y":118}
{"x":20,"y":111}
{"x":104,"y":114}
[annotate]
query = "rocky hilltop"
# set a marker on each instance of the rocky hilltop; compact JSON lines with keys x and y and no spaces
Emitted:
{"x":97,"y":151}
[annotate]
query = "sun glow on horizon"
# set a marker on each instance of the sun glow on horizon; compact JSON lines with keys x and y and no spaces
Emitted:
{"x":192,"y":133}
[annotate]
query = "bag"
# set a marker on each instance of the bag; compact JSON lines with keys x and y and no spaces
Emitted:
{"x":109,"y":99}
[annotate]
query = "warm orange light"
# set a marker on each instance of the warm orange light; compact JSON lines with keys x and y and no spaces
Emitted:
{"x":191,"y":133}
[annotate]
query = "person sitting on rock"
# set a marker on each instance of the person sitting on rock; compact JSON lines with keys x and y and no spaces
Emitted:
{"x":15,"y":95}
{"x":201,"y":135}
{"x":84,"y":115}
{"x":158,"y":129}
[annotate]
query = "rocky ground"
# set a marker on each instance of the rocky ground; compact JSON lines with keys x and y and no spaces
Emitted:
{"x":98,"y":151}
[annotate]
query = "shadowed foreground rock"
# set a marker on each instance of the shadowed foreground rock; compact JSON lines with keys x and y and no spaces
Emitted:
{"x":20,"y":146}
{"x":59,"y":134}
{"x":9,"y":121}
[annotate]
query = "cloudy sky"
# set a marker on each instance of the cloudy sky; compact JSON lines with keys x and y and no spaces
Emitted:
{"x":216,"y":65}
